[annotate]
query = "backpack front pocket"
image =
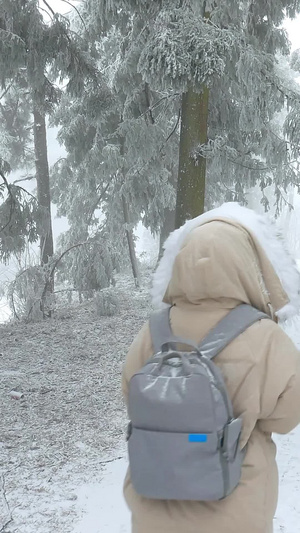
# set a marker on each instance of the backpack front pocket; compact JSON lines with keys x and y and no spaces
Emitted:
{"x":175,"y":466}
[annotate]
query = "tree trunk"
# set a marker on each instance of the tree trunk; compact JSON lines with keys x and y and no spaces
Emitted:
{"x":167,"y":227}
{"x":131,"y":247}
{"x":43,"y":184}
{"x":192,"y":170}
{"x":168,"y":224}
{"x":44,"y":200}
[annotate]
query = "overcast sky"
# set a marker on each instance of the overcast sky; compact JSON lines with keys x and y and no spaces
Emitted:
{"x":59,"y":5}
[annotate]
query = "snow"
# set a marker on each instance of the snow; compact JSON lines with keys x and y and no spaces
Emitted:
{"x":287,"y":518}
{"x":70,"y":419}
{"x":62,"y":446}
{"x":102,"y":505}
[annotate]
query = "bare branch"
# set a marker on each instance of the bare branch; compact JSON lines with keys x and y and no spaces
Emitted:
{"x":59,"y":160}
{"x":28,"y":178}
{"x":147,"y":96}
{"x":243,"y":165}
{"x":174,"y":129}
{"x":77,"y":11}
{"x":157,"y":103}
{"x":45,"y":11}
{"x":12,"y":300}
{"x":27,"y":192}
{"x":97,"y":202}
{"x":13,"y":35}
{"x":287,"y":203}
{"x":49,"y":7}
{"x":50,"y":277}
{"x":6,"y":90}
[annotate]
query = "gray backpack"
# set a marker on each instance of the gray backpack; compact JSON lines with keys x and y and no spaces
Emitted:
{"x":183,"y":439}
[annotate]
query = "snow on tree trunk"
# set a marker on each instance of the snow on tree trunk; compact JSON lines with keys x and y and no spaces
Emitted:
{"x":43,"y":184}
{"x":192,"y":167}
{"x":130,"y":240}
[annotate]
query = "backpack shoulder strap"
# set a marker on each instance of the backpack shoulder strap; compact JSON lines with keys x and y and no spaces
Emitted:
{"x":160,"y":328}
{"x":230,"y":327}
{"x":162,"y":335}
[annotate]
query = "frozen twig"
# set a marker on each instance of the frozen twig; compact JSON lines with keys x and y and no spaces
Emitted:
{"x":77,"y":11}
{"x":6,"y":504}
{"x":111,"y":460}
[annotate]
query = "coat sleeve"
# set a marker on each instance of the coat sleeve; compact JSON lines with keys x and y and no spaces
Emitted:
{"x":280,"y":388}
{"x":139,"y":352}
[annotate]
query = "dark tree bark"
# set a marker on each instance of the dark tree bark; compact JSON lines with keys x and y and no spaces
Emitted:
{"x":43,"y":183}
{"x":192,"y":170}
{"x":168,"y":224}
{"x":131,"y":246}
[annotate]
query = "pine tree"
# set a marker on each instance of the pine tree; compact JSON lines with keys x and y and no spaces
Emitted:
{"x":222,"y":58}
{"x":33,"y":55}
{"x":122,"y":151}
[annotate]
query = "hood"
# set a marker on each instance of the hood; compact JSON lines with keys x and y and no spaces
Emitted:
{"x":230,"y":252}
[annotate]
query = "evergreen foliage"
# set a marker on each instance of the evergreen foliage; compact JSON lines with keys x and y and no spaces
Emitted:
{"x":119,"y":78}
{"x":34,"y":56}
{"x":234,"y":49}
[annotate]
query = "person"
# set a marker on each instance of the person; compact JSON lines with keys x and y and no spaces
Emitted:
{"x":213,"y":263}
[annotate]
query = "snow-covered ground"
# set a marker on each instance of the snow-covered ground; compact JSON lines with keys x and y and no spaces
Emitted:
{"x":62,"y":447}
{"x":101,"y":505}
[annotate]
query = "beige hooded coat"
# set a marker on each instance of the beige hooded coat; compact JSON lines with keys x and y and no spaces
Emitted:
{"x":210,"y":266}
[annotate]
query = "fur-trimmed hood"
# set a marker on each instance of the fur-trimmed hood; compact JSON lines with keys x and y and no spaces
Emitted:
{"x":261,"y":229}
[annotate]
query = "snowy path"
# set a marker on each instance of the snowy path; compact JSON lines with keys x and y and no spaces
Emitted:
{"x":102,"y":506}
{"x":104,"y":511}
{"x":287,"y":519}
{"x":54,"y":439}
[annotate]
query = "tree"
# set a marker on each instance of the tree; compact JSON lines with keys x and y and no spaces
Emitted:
{"x":229,"y":52}
{"x":121,"y":151}
{"x":34,"y":54}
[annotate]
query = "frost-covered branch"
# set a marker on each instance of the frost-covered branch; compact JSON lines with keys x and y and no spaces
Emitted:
{"x":99,"y":199}
{"x":12,"y":202}
{"x":45,"y":11}
{"x":3,"y":493}
{"x":6,"y":90}
{"x":77,"y":11}
{"x":174,"y":129}
{"x":51,"y":274}
{"x":49,"y":7}
{"x":28,"y":178}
